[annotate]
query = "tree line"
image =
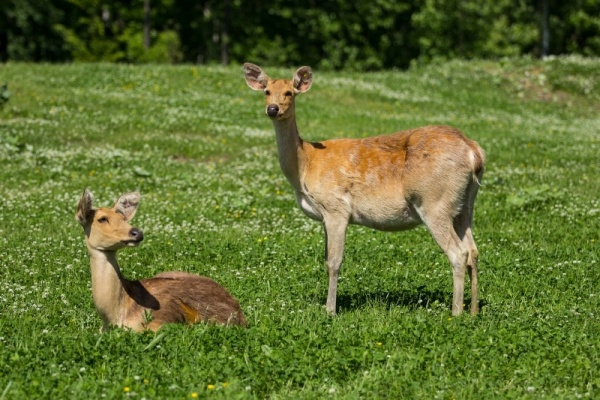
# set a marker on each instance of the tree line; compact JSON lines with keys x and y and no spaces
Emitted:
{"x":326,"y":34}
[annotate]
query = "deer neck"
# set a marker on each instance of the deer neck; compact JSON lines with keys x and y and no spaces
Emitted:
{"x":290,"y":148}
{"x":107,"y":286}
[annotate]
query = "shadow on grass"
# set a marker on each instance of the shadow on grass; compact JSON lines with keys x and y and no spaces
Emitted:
{"x":419,"y":298}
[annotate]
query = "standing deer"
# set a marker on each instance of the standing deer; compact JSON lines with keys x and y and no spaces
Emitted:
{"x":149,"y":303}
{"x":390,"y":182}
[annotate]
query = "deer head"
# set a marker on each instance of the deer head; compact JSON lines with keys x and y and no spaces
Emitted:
{"x":109,"y":229}
{"x":279,"y":93}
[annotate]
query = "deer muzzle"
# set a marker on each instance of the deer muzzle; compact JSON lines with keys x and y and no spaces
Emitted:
{"x":272,"y":110}
{"x":135,"y":237}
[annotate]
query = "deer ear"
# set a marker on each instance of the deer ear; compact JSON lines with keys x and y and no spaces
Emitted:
{"x":85,"y":207}
{"x":255,"y":76}
{"x":127,"y":204}
{"x":303,"y":79}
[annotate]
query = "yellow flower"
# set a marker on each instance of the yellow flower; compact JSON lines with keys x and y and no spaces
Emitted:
{"x":379,"y":343}
{"x":225,"y":384}
{"x":210,"y":387}
{"x":126,"y":389}
{"x":194,"y":395}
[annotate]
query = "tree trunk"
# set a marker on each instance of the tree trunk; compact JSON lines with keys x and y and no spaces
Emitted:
{"x":545,"y":29}
{"x":225,"y":32}
{"x":3,"y":45}
{"x":146,"y":24}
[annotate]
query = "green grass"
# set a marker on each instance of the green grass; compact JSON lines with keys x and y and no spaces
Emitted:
{"x":196,"y":144}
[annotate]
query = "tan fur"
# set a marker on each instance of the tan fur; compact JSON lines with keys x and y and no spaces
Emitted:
{"x":390,"y":182}
{"x":169,"y":297}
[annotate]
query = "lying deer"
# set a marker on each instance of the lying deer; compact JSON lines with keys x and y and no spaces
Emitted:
{"x":391,"y":182}
{"x":149,"y":303}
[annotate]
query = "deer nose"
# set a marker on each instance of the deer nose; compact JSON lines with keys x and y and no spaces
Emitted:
{"x":136,"y":234}
{"x":272,"y":110}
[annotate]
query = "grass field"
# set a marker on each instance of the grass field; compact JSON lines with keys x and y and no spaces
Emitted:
{"x":194,"y":141}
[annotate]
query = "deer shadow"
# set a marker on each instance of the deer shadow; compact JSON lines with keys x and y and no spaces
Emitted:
{"x":415,"y":299}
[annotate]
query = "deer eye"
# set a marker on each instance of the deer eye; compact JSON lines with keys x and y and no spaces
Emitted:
{"x":102,"y":220}
{"x":288,"y":94}
{"x":267,"y":92}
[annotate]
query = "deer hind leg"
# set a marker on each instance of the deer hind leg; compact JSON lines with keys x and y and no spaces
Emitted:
{"x":462,"y":226}
{"x":335,"y":237}
{"x":441,"y":226}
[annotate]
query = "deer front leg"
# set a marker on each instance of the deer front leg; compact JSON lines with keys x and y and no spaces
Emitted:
{"x":335,"y":237}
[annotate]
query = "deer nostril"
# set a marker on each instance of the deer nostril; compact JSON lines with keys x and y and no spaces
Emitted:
{"x":272,"y":110}
{"x":136,"y":234}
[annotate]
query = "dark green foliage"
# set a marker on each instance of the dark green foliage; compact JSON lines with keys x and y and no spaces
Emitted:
{"x":332,"y":34}
{"x":471,"y":29}
{"x":575,"y":27}
{"x":27,"y":30}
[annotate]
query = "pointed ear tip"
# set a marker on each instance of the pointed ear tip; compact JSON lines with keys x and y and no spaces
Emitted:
{"x":87,"y":195}
{"x":134,"y":196}
{"x":129,"y":195}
